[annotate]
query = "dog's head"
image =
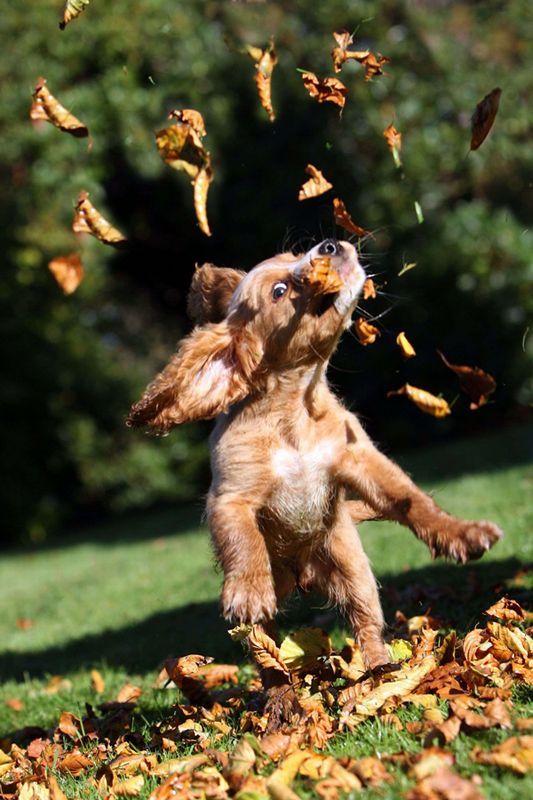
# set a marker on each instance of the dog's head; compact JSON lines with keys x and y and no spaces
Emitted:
{"x":269,"y":320}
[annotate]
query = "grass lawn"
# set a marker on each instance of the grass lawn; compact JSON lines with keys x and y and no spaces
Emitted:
{"x":121,"y":598}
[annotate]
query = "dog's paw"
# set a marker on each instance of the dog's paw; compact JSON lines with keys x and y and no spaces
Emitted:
{"x":249,"y":598}
{"x":466,"y":541}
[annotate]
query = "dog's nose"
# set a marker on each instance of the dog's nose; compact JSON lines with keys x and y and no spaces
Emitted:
{"x":330,"y":247}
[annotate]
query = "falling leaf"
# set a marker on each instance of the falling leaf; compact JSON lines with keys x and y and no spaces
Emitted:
{"x":265,"y":651}
{"x":343,"y":219}
{"x":365,"y":331}
{"x":88,"y":220}
{"x":408,"y":351}
{"x":321,"y":276}
{"x":265,"y":61}
{"x":73,"y":9}
{"x":24,"y":623}
{"x":68,"y":271}
{"x":191,"y":117}
{"x":515,"y":753}
{"x":97,"y":682}
{"x":394,"y":141}
{"x":180,"y":147}
{"x":426,"y":402}
{"x":325,"y":90}
{"x":507,"y":609}
{"x":302,"y":649}
{"x":341,"y":54}
{"x":369,"y":289}
{"x":483,"y":117}
{"x":201,"y":188}
{"x":45,"y":107}
{"x":407,"y":267}
{"x":315,"y":186}
{"x":475,"y":382}
{"x":373,"y":65}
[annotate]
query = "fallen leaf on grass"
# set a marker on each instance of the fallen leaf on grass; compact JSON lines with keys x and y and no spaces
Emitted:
{"x":445,"y":784}
{"x":365,"y":331}
{"x":343,"y":219}
{"x":475,"y":382}
{"x":88,"y":220}
{"x":131,"y":787}
{"x":315,"y":186}
{"x":408,"y":351}
{"x":45,"y":107}
{"x":426,"y":402}
{"x":57,"y":684}
{"x":74,"y":763}
{"x":129,"y":693}
{"x":516,"y":754}
{"x":70,"y":725}
{"x":68,"y":271}
{"x":394,"y":141}
{"x":305,"y":649}
{"x":24,"y":623}
{"x":14,"y":704}
{"x":483,"y":117}
{"x":325,"y":90}
{"x":265,"y":61}
{"x":265,"y":651}
{"x":73,"y":9}
{"x":97,"y":682}
{"x":33,"y":791}
{"x":56,"y":792}
{"x":506,"y":609}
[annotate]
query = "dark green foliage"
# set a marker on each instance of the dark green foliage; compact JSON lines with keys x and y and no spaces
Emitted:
{"x":72,"y":366}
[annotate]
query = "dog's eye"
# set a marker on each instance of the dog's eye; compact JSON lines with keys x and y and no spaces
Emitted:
{"x":279,"y":290}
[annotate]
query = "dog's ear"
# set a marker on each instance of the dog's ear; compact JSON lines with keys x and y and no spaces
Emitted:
{"x":211,"y":291}
{"x":212,"y":369}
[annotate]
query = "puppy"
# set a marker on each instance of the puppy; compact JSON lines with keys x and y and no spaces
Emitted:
{"x":285,"y":454}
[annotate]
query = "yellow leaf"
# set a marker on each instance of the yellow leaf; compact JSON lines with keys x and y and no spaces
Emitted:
{"x":302,"y":649}
{"x":426,"y":402}
{"x":315,"y":186}
{"x":46,"y":107}
{"x":408,"y":351}
{"x":73,"y":9}
{"x":400,"y":649}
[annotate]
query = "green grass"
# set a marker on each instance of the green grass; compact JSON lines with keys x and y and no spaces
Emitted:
{"x":121,"y":598}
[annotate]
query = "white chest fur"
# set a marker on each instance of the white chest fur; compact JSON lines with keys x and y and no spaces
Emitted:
{"x":302,"y":486}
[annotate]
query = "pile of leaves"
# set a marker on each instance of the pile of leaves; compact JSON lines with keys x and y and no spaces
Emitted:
{"x":223,"y":738}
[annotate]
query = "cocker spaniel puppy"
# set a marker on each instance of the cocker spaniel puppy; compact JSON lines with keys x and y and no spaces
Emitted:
{"x":286,"y":455}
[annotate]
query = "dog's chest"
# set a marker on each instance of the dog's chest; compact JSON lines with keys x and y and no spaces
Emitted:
{"x":302,"y":489}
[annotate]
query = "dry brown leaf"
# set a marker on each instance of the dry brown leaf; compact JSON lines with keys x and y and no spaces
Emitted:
{"x":265,"y":651}
{"x":373,"y":65}
{"x":515,"y":753}
{"x":215,"y":674}
{"x":444,"y":732}
{"x":180,"y":147}
{"x":483,"y":117}
{"x":475,"y":382}
{"x":70,"y":725}
{"x":321,"y":276}
{"x":365,"y":331}
{"x":325,"y":90}
{"x":33,"y":791}
{"x":45,"y":107}
{"x":507,"y":609}
{"x":131,"y":787}
{"x":190,"y":117}
{"x":24,"y":623}
{"x":444,"y":784}
{"x":97,"y":682}
{"x":315,"y":186}
{"x":394,"y":141}
{"x":426,"y":402}
{"x":341,"y":54}
{"x":265,"y":61}
{"x":57,"y":684}
{"x":88,"y":220}
{"x":68,"y":271}
{"x":343,"y":219}
{"x":369,"y":290}
{"x":129,"y":693}
{"x":429,"y":761}
{"x":56,"y":792}
{"x":14,"y":704}
{"x":370,"y":770}
{"x":74,"y":763}
{"x":408,"y":351}
{"x":73,"y":9}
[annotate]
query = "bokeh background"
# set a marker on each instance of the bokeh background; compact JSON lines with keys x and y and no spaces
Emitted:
{"x":71,"y":366}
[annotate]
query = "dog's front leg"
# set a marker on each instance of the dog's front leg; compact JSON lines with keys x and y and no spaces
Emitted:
{"x":384,"y":486}
{"x":248,"y":594}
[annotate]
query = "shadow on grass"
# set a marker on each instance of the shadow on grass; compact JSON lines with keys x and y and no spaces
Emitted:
{"x":458,"y":595}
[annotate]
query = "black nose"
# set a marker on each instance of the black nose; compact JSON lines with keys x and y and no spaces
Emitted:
{"x":330,"y":247}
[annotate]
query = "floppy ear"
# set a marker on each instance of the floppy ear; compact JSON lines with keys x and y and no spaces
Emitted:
{"x":212,"y":369}
{"x":211,"y":291}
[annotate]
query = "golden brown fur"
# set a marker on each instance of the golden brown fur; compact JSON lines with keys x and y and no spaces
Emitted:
{"x":285,"y":453}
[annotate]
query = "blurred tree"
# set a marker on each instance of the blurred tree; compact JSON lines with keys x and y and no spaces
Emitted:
{"x":72,"y":365}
